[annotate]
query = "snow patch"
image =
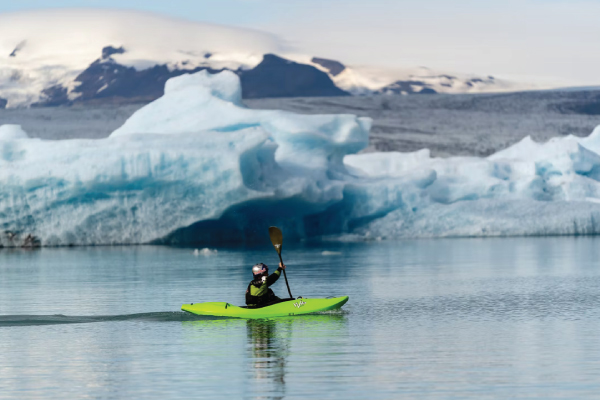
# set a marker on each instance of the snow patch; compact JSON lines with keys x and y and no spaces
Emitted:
{"x":363,"y":80}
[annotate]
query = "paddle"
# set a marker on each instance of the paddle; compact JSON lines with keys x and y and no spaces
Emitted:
{"x":277,"y":240}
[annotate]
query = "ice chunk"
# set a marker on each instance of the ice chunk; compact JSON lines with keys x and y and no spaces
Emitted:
{"x":133,"y":189}
{"x":528,"y":189}
{"x":331,"y":253}
{"x":205,"y":252}
{"x":196,"y":166}
{"x":488,"y":217}
{"x":208,"y":105}
{"x":388,"y":164}
{"x":12,"y":132}
{"x":191,"y":157}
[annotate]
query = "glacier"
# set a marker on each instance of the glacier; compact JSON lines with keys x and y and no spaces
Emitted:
{"x":198,"y":167}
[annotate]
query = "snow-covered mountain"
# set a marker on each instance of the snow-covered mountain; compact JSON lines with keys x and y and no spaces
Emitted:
{"x":66,"y":56}
{"x":360,"y":80}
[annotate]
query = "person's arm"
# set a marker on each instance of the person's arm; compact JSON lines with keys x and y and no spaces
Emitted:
{"x":275,"y":275}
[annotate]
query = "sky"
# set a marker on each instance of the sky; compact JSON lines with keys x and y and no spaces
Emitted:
{"x":532,"y":40}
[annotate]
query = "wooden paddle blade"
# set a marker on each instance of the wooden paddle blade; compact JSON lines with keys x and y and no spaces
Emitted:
{"x":276,"y":238}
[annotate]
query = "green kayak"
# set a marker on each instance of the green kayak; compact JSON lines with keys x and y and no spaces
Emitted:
{"x":283,"y":309}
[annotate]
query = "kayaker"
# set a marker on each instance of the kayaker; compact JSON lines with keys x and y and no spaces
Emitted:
{"x":258,"y":293}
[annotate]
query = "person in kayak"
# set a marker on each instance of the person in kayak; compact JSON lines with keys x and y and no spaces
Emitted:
{"x":258,"y":293}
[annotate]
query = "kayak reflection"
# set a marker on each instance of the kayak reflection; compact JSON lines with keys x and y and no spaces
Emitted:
{"x":268,"y":349}
{"x":267,"y":354}
{"x":272,"y":343}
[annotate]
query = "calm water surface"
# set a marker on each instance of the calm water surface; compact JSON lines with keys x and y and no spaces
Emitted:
{"x":439,"y":319}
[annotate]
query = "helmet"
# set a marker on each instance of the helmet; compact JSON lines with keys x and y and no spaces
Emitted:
{"x":259,"y":270}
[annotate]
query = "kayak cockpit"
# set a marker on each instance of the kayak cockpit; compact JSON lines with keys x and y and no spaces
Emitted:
{"x":267,"y":304}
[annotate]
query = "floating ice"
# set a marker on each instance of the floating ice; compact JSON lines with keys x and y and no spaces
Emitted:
{"x":530,"y":188}
{"x":196,"y":166}
{"x":331,"y":253}
{"x":205,"y":252}
{"x":179,"y":164}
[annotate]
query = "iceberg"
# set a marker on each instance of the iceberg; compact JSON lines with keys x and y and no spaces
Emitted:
{"x":198,"y":167}
{"x":529,"y":188}
{"x":194,"y":165}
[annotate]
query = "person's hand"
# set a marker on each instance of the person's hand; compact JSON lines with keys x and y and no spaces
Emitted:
{"x":281,"y":265}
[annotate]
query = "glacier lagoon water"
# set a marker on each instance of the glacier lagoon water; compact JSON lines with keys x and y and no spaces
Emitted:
{"x":431,"y":318}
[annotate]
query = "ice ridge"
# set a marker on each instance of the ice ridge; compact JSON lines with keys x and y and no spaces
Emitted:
{"x":197,"y":166}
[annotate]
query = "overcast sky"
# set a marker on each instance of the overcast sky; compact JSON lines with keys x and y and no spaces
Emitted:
{"x":557,"y":40}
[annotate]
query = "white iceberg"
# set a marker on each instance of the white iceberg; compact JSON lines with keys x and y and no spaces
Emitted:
{"x":529,"y":188}
{"x":196,"y":166}
{"x":192,"y":156}
{"x":205,"y":252}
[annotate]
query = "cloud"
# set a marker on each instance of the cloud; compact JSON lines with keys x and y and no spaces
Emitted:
{"x":528,"y":38}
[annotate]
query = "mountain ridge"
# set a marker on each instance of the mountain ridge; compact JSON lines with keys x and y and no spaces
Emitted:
{"x":126,"y":56}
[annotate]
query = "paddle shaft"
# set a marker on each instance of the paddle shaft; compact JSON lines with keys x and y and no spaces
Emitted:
{"x":285,"y":276}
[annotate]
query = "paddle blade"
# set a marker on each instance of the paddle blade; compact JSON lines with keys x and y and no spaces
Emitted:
{"x":276,"y":238}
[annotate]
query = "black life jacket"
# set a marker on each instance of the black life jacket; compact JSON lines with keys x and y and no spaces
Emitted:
{"x":258,"y":300}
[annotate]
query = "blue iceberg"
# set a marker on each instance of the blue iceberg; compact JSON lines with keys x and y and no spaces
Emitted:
{"x":196,"y":166}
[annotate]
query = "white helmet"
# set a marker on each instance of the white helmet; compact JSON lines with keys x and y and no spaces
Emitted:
{"x":260,"y":269}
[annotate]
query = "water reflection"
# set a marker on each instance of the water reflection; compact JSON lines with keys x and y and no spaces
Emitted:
{"x":274,"y":346}
{"x":276,"y":352}
{"x":268,"y":344}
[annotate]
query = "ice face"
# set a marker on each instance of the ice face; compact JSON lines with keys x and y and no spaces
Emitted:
{"x":529,"y":188}
{"x":196,"y":166}
{"x":123,"y":190}
{"x":192,"y":157}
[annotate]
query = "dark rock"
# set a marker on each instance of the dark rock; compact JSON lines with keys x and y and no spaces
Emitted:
{"x":53,"y":96}
{"x":110,"y":82}
{"x":334,"y":67}
{"x":3,"y":103}
{"x":427,"y":91}
{"x":278,"y":77}
{"x":399,"y":87}
{"x":110,"y":50}
{"x":17,"y":48}
{"x":106,"y":81}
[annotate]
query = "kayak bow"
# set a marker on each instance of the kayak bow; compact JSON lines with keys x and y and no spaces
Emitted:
{"x":283,"y":309}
